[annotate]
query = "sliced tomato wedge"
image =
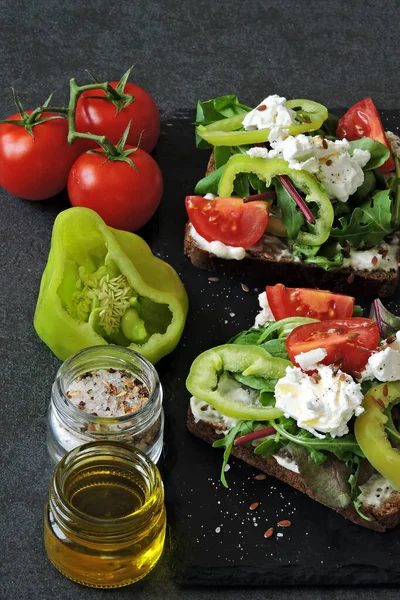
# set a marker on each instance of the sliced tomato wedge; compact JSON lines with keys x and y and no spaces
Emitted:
{"x":228,"y":220}
{"x":348,"y":342}
{"x":363,"y":120}
{"x":304,"y":302}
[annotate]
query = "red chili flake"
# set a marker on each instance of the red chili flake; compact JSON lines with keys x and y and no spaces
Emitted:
{"x":254,"y":505}
{"x":383,"y":252}
{"x":374,"y":260}
{"x":69,"y":395}
{"x":351,"y":278}
{"x":378,"y":401}
{"x":316,"y":377}
{"x":269,"y":533}
{"x":113,"y":389}
{"x":262,"y":107}
{"x":328,"y":162}
{"x":342,"y":377}
{"x":284,"y":523}
{"x":325,"y":144}
{"x":385,"y":390}
{"x":391,"y":339}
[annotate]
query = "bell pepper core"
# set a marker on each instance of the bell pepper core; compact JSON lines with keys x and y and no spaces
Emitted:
{"x":225,"y":132}
{"x":370,"y":432}
{"x":102,"y":285}
{"x":206,"y":369}
{"x":266,"y":169}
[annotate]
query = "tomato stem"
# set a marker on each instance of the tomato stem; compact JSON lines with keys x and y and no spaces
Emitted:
{"x":75,"y":92}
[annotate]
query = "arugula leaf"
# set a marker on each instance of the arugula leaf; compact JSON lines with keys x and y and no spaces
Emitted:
{"x":209,"y":184}
{"x":227,"y":442}
{"x":328,"y":264}
{"x":379,"y":152}
{"x":221,"y":155}
{"x":216,"y":109}
{"x":292,"y":217}
{"x":276,"y":348}
{"x":355,"y":490}
{"x":247,"y":337}
{"x":365,"y":191}
{"x":268,"y":447}
{"x":326,"y":256}
{"x":387,"y":322}
{"x":342,"y":447}
{"x":256,"y":382}
{"x":369,"y":223}
{"x":241,"y":185}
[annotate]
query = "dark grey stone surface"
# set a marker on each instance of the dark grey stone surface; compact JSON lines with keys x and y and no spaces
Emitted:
{"x":335,"y":52}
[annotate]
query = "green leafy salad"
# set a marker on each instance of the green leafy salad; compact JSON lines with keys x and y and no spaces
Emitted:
{"x":332,"y":185}
{"x":246,"y":379}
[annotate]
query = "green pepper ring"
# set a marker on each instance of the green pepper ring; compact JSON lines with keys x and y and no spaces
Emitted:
{"x":370,"y":432}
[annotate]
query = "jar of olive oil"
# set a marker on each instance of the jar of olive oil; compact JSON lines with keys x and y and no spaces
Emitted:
{"x":105,"y":518}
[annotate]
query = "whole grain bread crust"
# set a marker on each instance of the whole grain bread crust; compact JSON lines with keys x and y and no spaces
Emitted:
{"x":382,"y":518}
{"x":259,"y":263}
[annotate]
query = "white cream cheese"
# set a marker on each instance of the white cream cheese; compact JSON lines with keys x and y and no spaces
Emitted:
{"x":309,"y":360}
{"x":372,"y":260}
{"x":265,"y":315}
{"x":287,"y":463}
{"x":375,"y":491}
{"x":394,"y":142}
{"x":321,"y":403}
{"x":330,"y":162}
{"x":217,"y":248}
{"x":205,"y":412}
{"x":273,"y":114}
{"x":383,"y":365}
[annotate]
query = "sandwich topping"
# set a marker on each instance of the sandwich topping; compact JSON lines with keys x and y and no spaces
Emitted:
{"x":321,"y":403}
{"x":319,"y":176}
{"x":314,"y":388}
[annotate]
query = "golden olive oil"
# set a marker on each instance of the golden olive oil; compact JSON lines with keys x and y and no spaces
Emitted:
{"x":105,"y":520}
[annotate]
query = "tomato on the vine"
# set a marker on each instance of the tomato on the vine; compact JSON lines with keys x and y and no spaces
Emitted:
{"x":98,"y":115}
{"x":35,"y":166}
{"x":348,"y":342}
{"x":228,"y":220}
{"x":363,"y":120}
{"x":304,"y":302}
{"x":124,"y":196}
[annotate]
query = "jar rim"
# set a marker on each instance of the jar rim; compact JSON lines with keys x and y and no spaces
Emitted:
{"x":99,"y":450}
{"x":111,"y":351}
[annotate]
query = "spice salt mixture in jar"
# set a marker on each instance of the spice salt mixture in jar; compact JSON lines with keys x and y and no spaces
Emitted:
{"x":106,"y":393}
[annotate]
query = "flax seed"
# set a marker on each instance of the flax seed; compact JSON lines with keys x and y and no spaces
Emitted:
{"x":254,"y":505}
{"x":245,"y":287}
{"x":269,"y":533}
{"x":284,"y":523}
{"x":260,"y":477}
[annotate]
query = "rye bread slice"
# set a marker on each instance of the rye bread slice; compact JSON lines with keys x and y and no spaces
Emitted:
{"x":383,"y":517}
{"x":262,"y":262}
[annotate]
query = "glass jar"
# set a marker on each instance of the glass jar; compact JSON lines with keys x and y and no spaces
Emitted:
{"x":69,"y":427}
{"x":105,"y":520}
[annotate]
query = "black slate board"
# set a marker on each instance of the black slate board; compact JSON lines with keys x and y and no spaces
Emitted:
{"x":319,"y":548}
{"x":217,"y":540}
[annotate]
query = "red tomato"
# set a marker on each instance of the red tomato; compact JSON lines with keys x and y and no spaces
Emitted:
{"x":100,"y":117}
{"x":36,"y":168}
{"x":228,"y":220}
{"x":303,"y":302}
{"x":349,"y":342}
{"x":123,"y":197}
{"x":362,"y":120}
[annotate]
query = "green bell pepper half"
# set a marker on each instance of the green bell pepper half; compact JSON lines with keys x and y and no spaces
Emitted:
{"x":229,"y":132}
{"x":266,"y":169}
{"x":207,"y":368}
{"x":369,"y":429}
{"x":102,"y":285}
